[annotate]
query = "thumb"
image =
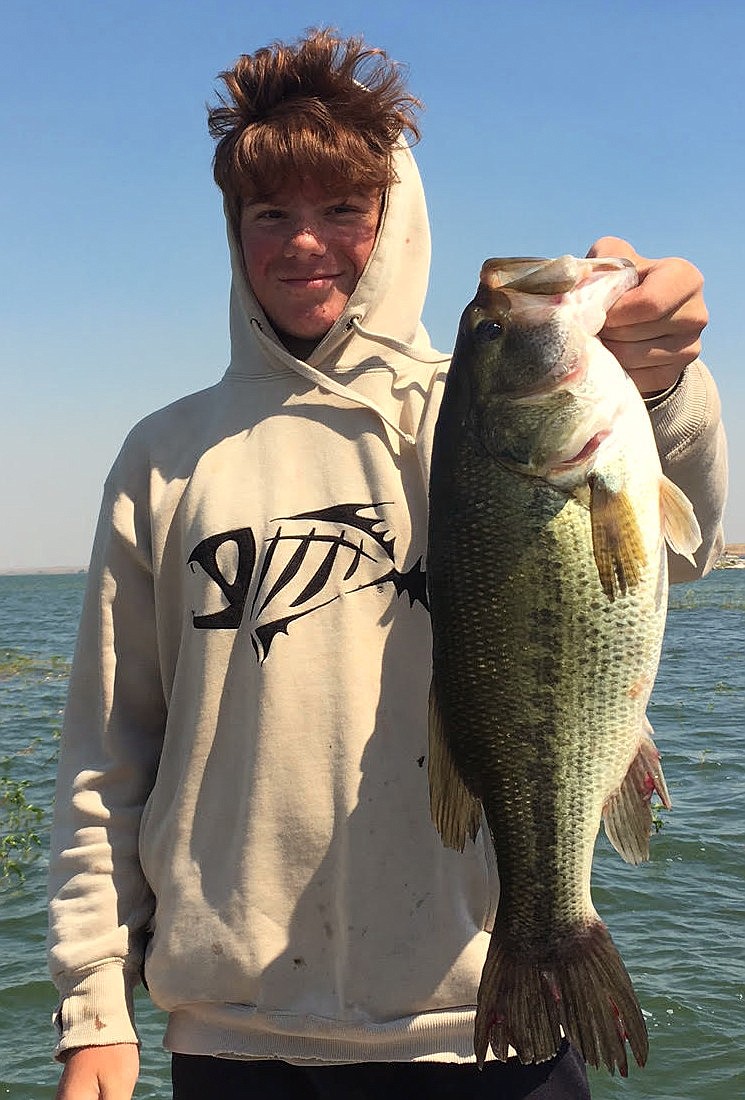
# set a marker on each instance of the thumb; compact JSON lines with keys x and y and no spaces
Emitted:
{"x":613,"y":246}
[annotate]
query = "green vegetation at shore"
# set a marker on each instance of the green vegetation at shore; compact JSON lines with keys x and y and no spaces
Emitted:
{"x":20,"y":821}
{"x":14,"y":662}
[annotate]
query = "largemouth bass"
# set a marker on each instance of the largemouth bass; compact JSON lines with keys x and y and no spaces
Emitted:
{"x":547,"y":582}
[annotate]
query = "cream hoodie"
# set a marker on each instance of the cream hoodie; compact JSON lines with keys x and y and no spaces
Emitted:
{"x":242,"y":799}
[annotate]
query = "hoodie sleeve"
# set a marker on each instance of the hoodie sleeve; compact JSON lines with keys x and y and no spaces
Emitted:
{"x":690,"y":438}
{"x":100,"y":902}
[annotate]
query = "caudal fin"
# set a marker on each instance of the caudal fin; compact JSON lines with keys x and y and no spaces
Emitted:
{"x":581,"y":987}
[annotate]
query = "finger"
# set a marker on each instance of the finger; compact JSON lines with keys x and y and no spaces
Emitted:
{"x":670,"y":288}
{"x":666,"y":358}
{"x":685,"y":326}
{"x":613,"y":246}
{"x":665,"y":286}
{"x":654,"y":353}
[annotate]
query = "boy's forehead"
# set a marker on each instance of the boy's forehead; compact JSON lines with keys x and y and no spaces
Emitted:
{"x":311,"y":191}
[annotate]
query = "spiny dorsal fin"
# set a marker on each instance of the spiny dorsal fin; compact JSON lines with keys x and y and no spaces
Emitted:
{"x":455,"y":811}
{"x":616,"y":539}
{"x":679,"y":523}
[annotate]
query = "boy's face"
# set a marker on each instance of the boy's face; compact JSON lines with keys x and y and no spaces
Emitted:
{"x":304,"y":252}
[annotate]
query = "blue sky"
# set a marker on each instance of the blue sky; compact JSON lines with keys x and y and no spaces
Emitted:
{"x":547,"y":125}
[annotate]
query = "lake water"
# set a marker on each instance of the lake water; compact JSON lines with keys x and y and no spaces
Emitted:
{"x":679,"y":920}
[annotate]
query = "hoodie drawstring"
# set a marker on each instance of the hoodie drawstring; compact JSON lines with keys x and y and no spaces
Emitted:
{"x":324,"y":382}
{"x":396,"y":345}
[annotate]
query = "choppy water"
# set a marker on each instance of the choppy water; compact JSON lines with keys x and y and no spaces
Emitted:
{"x":679,"y":920}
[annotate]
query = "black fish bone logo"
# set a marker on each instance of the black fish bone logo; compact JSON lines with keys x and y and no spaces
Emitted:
{"x":310,"y":560}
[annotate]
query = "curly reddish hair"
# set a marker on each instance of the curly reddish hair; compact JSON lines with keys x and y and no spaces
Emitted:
{"x":326,"y":108}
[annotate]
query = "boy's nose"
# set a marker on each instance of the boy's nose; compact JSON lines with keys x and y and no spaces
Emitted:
{"x":305,"y":238}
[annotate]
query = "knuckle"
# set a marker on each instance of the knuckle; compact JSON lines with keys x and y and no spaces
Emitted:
{"x":612,"y":246}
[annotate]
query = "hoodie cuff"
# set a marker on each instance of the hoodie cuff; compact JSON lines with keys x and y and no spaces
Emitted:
{"x":97,"y":1010}
{"x":681,"y":416}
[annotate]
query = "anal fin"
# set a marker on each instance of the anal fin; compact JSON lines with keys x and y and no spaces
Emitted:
{"x":627,"y":815}
{"x":456,"y":812}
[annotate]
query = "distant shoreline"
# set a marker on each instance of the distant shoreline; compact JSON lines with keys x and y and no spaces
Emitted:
{"x":46,"y":570}
{"x":732,"y":549}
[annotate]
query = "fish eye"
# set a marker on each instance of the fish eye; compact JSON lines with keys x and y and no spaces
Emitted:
{"x":487,"y":331}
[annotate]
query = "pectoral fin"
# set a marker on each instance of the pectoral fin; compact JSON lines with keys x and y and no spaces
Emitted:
{"x":617,"y":542}
{"x":679,"y":523}
{"x":627,"y":815}
{"x":455,"y":811}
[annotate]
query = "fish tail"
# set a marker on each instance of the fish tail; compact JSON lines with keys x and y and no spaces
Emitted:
{"x":582,"y":988}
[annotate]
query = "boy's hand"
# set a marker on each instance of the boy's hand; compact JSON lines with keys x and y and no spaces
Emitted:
{"x":100,"y":1073}
{"x":654,"y":330}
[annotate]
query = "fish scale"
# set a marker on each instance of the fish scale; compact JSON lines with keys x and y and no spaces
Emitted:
{"x":547,"y":584}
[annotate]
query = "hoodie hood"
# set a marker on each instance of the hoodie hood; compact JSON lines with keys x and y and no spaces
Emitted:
{"x":387,"y":301}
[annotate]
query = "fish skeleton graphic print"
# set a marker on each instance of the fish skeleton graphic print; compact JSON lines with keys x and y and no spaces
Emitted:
{"x":308,"y":561}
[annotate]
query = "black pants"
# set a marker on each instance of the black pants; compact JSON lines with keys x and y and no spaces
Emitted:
{"x":202,"y":1078}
